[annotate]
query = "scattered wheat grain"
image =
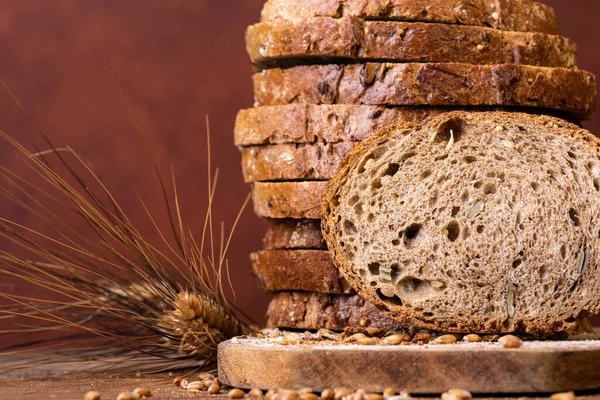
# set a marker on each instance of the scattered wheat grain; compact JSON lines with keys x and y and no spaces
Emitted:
{"x":142,"y":392}
{"x":92,"y":395}
{"x":236,"y":394}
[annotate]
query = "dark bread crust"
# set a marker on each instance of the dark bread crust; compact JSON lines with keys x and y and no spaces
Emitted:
{"x":456,"y":324}
{"x":294,"y":234}
{"x":443,"y":84}
{"x":283,"y":43}
{"x":298,"y":271}
{"x":509,"y":15}
{"x":298,"y":310}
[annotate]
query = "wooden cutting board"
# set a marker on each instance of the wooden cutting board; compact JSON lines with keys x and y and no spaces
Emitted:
{"x":483,"y":368}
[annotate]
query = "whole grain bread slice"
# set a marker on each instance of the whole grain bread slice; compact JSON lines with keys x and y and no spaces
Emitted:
{"x":297,"y":200}
{"x":285,"y":162}
{"x":294,"y":234}
{"x":301,"y":310}
{"x":297,"y":270}
{"x":309,"y":123}
{"x":484,"y":222}
{"x":429,"y":84}
{"x":283,"y":43}
{"x":510,"y":15}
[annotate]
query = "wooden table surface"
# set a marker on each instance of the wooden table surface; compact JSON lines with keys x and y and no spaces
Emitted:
{"x":75,"y":388}
{"x":30,"y":386}
{"x":161,"y":387}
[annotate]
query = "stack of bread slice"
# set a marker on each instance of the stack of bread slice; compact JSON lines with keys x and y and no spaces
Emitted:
{"x":331,"y":73}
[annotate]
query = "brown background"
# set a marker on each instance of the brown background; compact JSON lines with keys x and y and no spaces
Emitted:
{"x":178,"y":60}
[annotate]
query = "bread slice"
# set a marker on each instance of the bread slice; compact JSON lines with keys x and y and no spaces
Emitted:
{"x":309,"y":123}
{"x":509,"y":15}
{"x":297,"y":270}
{"x":297,"y":200}
{"x":485,"y":222}
{"x":301,"y":310}
{"x":294,"y":234}
{"x":281,"y":43}
{"x":429,"y":84}
{"x":284,"y":162}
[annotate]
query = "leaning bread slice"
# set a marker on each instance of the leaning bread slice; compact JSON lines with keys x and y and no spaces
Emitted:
{"x":297,"y":200}
{"x":484,"y":222}
{"x":297,"y":270}
{"x":283,"y":43}
{"x":510,"y":15}
{"x":414,"y":84}
{"x":301,"y":310}
{"x":285,"y":162}
{"x":294,"y":234}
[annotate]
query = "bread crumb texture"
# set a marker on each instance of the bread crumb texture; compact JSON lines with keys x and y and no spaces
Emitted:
{"x":481,"y":222}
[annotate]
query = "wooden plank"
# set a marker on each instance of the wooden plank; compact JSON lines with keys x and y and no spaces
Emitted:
{"x":484,"y":368}
{"x":74,"y":383}
{"x":74,"y":388}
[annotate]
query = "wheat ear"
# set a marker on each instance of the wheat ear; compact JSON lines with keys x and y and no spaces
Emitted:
{"x":112,"y":287}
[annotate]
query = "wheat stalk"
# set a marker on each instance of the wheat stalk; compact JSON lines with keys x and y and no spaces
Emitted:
{"x":113,"y":287}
